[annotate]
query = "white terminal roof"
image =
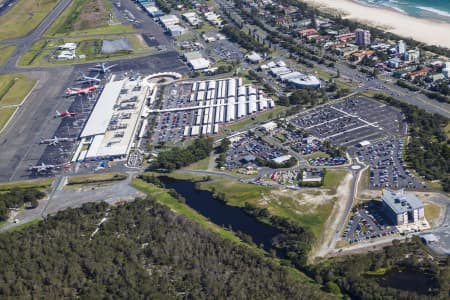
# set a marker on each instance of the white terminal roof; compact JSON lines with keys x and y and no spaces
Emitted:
{"x":103,"y":110}
{"x":95,"y":146}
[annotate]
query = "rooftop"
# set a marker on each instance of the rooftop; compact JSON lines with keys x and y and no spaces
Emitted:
{"x":103,"y":110}
{"x":400,"y":202}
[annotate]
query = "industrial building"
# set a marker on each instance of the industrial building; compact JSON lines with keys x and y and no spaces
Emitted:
{"x":402,"y":208}
{"x":112,"y":126}
{"x":196,"y":60}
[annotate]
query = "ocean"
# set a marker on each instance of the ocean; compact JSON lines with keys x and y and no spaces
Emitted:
{"x":429,"y":9}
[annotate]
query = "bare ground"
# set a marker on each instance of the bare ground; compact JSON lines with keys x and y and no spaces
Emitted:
{"x":326,"y":242}
{"x":94,"y":13}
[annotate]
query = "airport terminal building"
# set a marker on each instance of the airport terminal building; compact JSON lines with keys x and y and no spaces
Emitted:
{"x":402,"y":208}
{"x":113,"y":124}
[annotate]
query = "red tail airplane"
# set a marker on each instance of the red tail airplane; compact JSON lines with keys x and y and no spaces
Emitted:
{"x":65,"y":114}
{"x":86,"y":90}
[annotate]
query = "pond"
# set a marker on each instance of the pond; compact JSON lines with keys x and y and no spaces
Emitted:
{"x":408,"y":280}
{"x":221,"y":214}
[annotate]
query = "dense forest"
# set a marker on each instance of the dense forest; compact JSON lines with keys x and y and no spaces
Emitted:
{"x":349,"y":273}
{"x":176,"y":158}
{"x":428,"y":150}
{"x":142,"y":251}
{"x":17,"y":198}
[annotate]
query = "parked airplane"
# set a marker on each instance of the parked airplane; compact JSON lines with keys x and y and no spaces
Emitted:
{"x":80,"y":91}
{"x":42,"y":168}
{"x":103,"y":68}
{"x":65,"y":114}
{"x":85,"y":78}
{"x":54,"y":141}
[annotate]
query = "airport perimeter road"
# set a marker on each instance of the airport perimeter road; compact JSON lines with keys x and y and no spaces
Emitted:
{"x":24,"y":43}
{"x":61,"y":198}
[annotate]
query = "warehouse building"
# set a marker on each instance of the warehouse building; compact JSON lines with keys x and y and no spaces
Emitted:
{"x":402,"y":208}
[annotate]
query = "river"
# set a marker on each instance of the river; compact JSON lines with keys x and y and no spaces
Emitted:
{"x":221,"y":214}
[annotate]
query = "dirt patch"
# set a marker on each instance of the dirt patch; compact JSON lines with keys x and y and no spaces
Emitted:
{"x":325,"y":245}
{"x":94,"y":13}
{"x":310,"y":197}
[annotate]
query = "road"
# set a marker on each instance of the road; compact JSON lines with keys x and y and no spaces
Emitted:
{"x":61,"y":198}
{"x":401,"y":94}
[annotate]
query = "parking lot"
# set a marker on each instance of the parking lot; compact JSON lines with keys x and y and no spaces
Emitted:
{"x":224,"y":50}
{"x":366,"y":223}
{"x":199,"y":108}
{"x":244,"y":150}
{"x":351,"y":121}
{"x":387,"y":168}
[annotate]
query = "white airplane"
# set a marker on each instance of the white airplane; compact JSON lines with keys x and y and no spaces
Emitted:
{"x":54,"y":141}
{"x":46,"y":168}
{"x":89,"y":79}
{"x":42,"y":168}
{"x":103,"y":68}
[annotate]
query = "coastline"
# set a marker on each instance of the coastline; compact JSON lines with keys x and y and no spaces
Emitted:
{"x":428,"y":31}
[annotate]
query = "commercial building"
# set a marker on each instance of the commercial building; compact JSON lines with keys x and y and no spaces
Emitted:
{"x":176,"y":30}
{"x":192,"y":18}
{"x":196,"y":61}
{"x":362,"y":37}
{"x":169,"y":20}
{"x":293,"y":78}
{"x":402,"y":208}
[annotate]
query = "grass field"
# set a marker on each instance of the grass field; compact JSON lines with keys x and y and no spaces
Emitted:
{"x":5,"y":114}
{"x":264,"y":116}
{"x":297,"y":206}
{"x":41,"y":52}
{"x":23,"y":17}
{"x":6,"y":50}
{"x":82,"y":15}
{"x":37,"y":183}
{"x":200,"y":165}
{"x":332,"y":179}
{"x":317,"y":154}
{"x":432,"y":212}
{"x":96,"y":178}
{"x":14,"y":88}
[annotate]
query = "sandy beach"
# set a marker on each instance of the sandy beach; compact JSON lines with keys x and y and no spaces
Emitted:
{"x":423,"y":30}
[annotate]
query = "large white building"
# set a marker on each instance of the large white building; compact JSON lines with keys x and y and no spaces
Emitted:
{"x":401,"y":47}
{"x":402,"y":208}
{"x":412,"y":56}
{"x":113,"y":124}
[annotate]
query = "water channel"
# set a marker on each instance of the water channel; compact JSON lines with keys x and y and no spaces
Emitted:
{"x":221,"y":214}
